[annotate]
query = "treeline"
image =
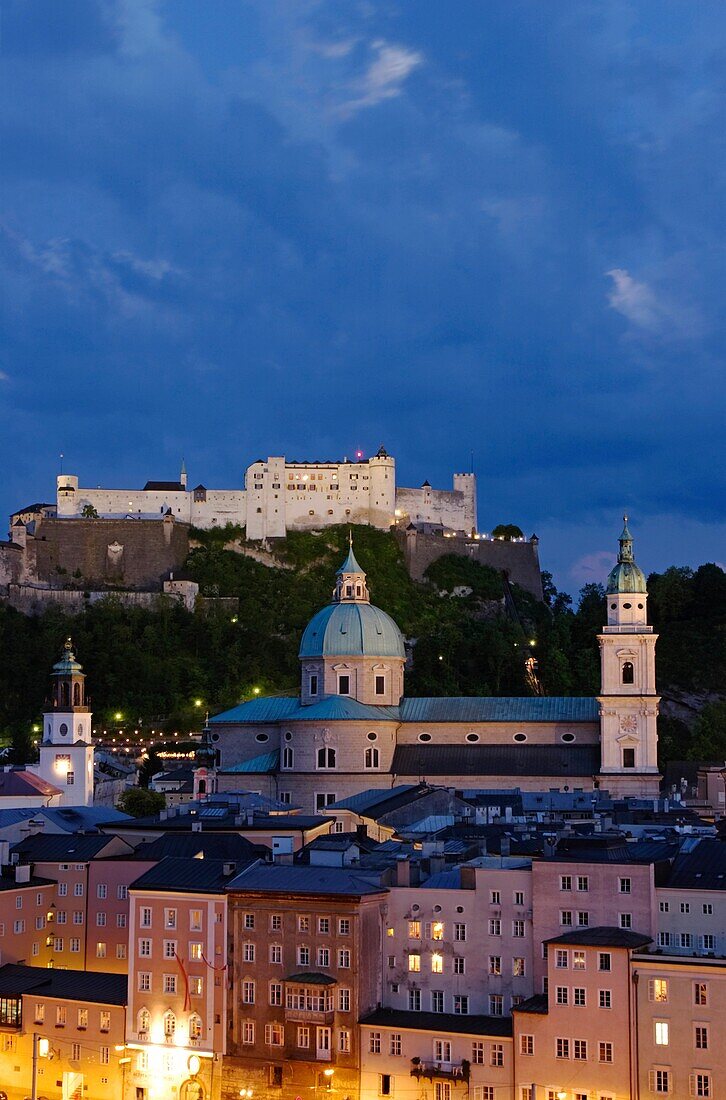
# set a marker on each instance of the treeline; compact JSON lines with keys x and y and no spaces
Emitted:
{"x":164,"y":669}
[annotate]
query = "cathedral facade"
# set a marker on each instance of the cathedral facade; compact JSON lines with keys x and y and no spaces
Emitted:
{"x":352,"y":727}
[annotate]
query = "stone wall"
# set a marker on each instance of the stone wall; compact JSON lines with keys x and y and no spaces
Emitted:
{"x":129,"y":554}
{"x":519,"y":561}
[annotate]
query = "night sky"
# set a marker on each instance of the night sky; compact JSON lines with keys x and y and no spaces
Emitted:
{"x":231,"y":229}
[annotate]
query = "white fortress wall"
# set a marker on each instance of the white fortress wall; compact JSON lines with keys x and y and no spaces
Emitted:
{"x":452,"y":508}
{"x":117,"y":503}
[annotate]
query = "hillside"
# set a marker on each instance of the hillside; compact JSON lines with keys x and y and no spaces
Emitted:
{"x":170,"y":666}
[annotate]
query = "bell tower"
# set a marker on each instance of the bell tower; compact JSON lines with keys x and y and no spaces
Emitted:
{"x":66,"y":751}
{"x":628,"y":699}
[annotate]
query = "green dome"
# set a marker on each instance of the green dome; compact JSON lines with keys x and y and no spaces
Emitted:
{"x":626,"y":576}
{"x":352,"y":630}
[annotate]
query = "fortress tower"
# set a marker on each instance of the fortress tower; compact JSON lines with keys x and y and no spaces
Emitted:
{"x":628,"y":699}
{"x":66,"y":751}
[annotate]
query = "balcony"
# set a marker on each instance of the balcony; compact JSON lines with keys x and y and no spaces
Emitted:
{"x":448,"y":1071}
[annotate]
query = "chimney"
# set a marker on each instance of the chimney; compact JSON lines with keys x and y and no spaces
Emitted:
{"x":4,"y":853}
{"x":403,"y":872}
{"x":22,"y":872}
{"x":550,"y":847}
{"x":229,"y":868}
{"x":505,"y":846}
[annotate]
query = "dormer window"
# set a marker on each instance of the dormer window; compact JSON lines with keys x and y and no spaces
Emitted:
{"x":380,"y":685}
{"x":349,"y":590}
{"x":314,"y":684}
{"x":344,"y":684}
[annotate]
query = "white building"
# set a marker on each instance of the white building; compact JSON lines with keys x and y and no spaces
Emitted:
{"x":66,"y":750}
{"x":280,"y":495}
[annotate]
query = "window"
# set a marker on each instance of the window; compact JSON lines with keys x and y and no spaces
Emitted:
{"x":579,"y":1050}
{"x":196,"y":986}
{"x":274,"y":1035}
{"x":344,"y":1040}
{"x":701,"y":1084}
{"x":477,"y":1053}
{"x":324,"y":926}
{"x":75,"y":1052}
{"x":579,"y":996}
{"x":275,"y":953}
{"x":658,"y":990}
{"x":39,"y":1013}
{"x":628,"y":758}
{"x":169,"y":949}
{"x":700,"y":1037}
{"x":105,"y":1056}
{"x":380,"y":685}
{"x":442,"y":1090}
{"x":145,"y":949}
{"x":169,"y":984}
{"x":78,"y":916}
{"x":519,"y":897}
{"x":303,"y":924}
{"x":102,"y":890}
{"x":496,"y":1054}
{"x":344,"y":958}
{"x":145,"y":917}
{"x":565,"y":882}
{"x":343,"y":1000}
{"x":120,"y":920}
{"x":324,"y":956}
{"x":700,"y":993}
{"x":288,"y":757}
{"x":660,"y":1080}
{"x":372,"y":757}
{"x":437,"y":1000}
{"x":495,"y":964}
{"x":562,"y":1048}
{"x":495,"y":898}
{"x":275,"y":993}
{"x":195,"y":1026}
{"x":303,"y":1037}
{"x":496,"y":1004}
{"x":144,"y":981}
{"x":685,"y":907}
{"x":459,"y":964}
{"x":495,"y":927}
{"x":195,"y":920}
{"x":604,"y":960}
{"x":661,"y":1033}
{"x":313,"y":684}
{"x":566,"y":917}
{"x":442,"y":1050}
{"x":664,"y":906}
{"x":276,"y":922}
{"x":518,"y":929}
{"x":707,"y":909}
{"x":708,"y":942}
{"x":562,"y":960}
{"x":122,"y":892}
{"x":460,"y":932}
{"x":562,"y":995}
{"x":414,"y":1000}
{"x":374,"y":1042}
{"x":461,"y":1005}
{"x":195,"y":952}
{"x":437,"y":963}
{"x":626,"y":920}
{"x":248,"y":992}
{"x":686,"y":939}
{"x":583,"y":883}
{"x":583,"y":919}
{"x":414,"y":962}
{"x":578,"y":960}
{"x":248,"y":1033}
{"x":396,"y":1046}
{"x":605,"y":998}
{"x":605,"y":1052}
{"x":323,"y":799}
{"x":628,"y":672}
{"x":303,"y":956}
{"x":100,"y":950}
{"x":624,"y":885}
{"x":664,"y":939}
{"x":170,"y":919}
{"x":343,"y":685}
{"x":414,"y":929}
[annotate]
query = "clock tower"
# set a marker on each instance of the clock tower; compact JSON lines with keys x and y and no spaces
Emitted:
{"x":628,"y":699}
{"x":66,"y":750}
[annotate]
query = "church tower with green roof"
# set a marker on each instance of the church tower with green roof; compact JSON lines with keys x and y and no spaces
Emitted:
{"x":628,"y":699}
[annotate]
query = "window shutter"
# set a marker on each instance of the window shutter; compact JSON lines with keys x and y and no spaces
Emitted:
{"x":692,"y":1084}
{"x":651,"y":996}
{"x":651,"y":1080}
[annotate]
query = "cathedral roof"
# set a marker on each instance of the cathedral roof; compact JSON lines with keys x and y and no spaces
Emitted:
{"x":352,"y":630}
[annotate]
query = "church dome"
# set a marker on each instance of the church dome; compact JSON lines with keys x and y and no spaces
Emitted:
{"x":352,"y":630}
{"x":626,"y":577}
{"x":351,"y":626}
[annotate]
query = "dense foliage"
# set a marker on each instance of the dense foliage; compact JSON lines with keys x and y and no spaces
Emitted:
{"x":165,"y":668}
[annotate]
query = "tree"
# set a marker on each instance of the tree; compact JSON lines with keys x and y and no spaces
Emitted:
{"x":709,"y":733}
{"x":507,"y":531}
{"x":141,"y":802}
{"x":89,"y":512}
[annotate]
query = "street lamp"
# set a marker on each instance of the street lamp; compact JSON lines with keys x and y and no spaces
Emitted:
{"x":245,"y":1093}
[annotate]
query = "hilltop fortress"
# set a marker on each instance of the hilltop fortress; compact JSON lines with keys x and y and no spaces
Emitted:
{"x":281,"y":495}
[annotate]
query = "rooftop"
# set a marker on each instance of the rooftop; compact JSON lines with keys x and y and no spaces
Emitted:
{"x":602,"y":936}
{"x":505,"y":760}
{"x":64,"y":848}
{"x":440,"y":1022}
{"x":199,"y":876}
{"x":70,"y":985}
{"x":306,"y":879}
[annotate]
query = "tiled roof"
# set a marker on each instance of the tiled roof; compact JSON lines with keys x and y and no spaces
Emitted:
{"x":440,"y":1022}
{"x":305,"y":879}
{"x":536,"y":1004}
{"x":71,"y":985}
{"x":313,"y":978}
{"x":373,"y":797}
{"x":333,"y":708}
{"x":542,"y":708}
{"x":602,"y":936}
{"x":226,"y":846}
{"x":273,"y":709}
{"x":506,"y":760}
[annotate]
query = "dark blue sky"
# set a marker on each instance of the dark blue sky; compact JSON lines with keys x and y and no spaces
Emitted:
{"x":232,"y":229}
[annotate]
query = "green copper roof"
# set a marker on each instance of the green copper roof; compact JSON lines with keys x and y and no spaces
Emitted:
{"x":626,"y":577}
{"x":352,"y":630}
{"x":68,"y":662}
{"x":350,"y":565}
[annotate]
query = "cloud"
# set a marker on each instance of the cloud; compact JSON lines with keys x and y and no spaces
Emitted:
{"x":151,"y":269}
{"x":593,"y":568}
{"x":385,"y":76}
{"x":4,"y":377}
{"x":636,"y":301}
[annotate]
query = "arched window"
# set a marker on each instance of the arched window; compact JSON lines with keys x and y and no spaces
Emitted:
{"x":65,"y":694}
{"x":372,"y":757}
{"x":628,"y":672}
{"x":76,"y":695}
{"x":143,"y":1019}
{"x":169,"y":1024}
{"x":195,"y":1026}
{"x":287,"y":757}
{"x":326,"y":758}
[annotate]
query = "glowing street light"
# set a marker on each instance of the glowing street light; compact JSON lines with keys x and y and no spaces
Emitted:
{"x":197,"y":702}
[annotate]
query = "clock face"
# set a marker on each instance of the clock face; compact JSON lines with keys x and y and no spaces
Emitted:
{"x":629,"y":723}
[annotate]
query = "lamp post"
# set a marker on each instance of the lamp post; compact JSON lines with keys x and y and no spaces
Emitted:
{"x":41,"y":1047}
